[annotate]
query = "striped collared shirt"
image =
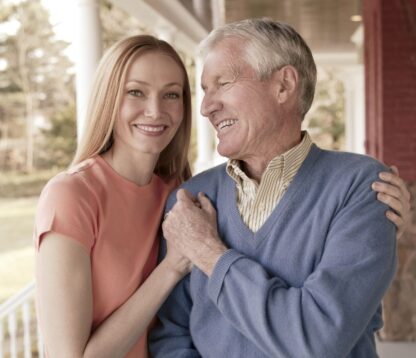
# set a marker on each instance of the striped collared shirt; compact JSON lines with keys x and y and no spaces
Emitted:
{"x":256,"y":202}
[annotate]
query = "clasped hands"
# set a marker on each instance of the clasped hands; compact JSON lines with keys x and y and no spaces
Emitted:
{"x":191,"y":229}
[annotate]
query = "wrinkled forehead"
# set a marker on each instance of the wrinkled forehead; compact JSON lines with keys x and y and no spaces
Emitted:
{"x":227,"y":54}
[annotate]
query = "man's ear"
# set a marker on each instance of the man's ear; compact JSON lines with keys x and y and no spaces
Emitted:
{"x":287,"y":81}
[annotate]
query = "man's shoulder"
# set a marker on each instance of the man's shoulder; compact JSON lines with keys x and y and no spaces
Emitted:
{"x":208,"y":181}
{"x":209,"y":176}
{"x":350,"y":163}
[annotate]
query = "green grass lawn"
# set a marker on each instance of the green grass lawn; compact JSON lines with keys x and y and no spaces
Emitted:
{"x":16,"y":248}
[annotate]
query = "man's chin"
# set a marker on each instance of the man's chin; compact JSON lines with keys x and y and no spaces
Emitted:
{"x":226,"y":152}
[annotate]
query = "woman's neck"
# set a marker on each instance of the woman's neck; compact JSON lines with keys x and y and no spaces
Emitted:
{"x":135,"y":167}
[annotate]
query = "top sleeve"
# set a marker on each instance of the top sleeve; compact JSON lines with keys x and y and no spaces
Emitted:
{"x":67,"y":206}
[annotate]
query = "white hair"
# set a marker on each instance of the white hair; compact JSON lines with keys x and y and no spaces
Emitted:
{"x":270,"y":45}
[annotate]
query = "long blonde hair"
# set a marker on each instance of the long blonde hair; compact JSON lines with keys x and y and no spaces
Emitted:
{"x":105,"y":102}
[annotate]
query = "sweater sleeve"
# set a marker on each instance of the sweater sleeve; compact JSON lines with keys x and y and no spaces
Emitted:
{"x":171,"y":336}
{"x":326,"y":316}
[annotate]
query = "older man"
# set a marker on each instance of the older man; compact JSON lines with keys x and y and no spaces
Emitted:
{"x":298,"y":253}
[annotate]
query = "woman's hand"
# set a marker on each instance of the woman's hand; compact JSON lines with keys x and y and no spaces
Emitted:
{"x":393,"y":192}
{"x":176,"y":262}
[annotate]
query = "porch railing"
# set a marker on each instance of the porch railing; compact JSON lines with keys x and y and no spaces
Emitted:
{"x":19,"y":331}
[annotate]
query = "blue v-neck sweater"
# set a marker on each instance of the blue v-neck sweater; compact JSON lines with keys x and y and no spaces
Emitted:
{"x":308,"y":283}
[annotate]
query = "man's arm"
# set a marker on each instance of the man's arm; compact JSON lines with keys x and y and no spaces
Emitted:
{"x":323,"y":318}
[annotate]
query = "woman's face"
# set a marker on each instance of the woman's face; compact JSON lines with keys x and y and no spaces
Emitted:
{"x":152,"y":104}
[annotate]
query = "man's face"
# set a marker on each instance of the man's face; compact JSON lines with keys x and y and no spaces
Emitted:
{"x":243,"y":110}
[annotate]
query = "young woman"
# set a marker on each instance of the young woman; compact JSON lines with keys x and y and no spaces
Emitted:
{"x":97,"y":223}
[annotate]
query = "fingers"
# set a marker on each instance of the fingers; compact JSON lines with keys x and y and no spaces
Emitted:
{"x":206,"y":203}
{"x":202,"y":202}
{"x":393,"y":186}
{"x":397,"y":220}
{"x":184,"y":195}
{"x":391,"y":178}
{"x":394,"y":169}
{"x":394,"y":193}
{"x":391,"y":201}
{"x":387,"y":189}
{"x":394,"y":179}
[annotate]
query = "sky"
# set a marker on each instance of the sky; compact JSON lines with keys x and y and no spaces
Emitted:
{"x":62,"y":14}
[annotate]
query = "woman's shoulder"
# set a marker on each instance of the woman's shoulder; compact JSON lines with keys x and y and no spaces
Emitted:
{"x":68,"y":205}
{"x":76,"y":180}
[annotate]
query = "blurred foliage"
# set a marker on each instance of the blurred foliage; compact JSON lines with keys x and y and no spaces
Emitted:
{"x":117,"y":24}
{"x":325,"y":121}
{"x":59,"y":140}
{"x":17,"y":184}
{"x":36,"y":82}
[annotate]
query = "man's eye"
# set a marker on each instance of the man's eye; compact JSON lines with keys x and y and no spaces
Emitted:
{"x":172,"y":95}
{"x":136,"y":93}
{"x":222,"y":84}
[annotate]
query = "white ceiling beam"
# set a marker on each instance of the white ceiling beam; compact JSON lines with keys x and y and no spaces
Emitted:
{"x":167,"y":16}
{"x":180,"y":17}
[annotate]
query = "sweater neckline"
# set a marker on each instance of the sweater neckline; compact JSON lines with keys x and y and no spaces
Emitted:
{"x":256,"y":238}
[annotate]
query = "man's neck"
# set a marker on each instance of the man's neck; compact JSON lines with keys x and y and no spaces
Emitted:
{"x":255,"y":166}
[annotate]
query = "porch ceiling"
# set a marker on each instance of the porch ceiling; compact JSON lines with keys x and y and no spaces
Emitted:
{"x":324,"y":24}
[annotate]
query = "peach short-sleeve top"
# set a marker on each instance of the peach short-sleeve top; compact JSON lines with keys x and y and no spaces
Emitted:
{"x":117,"y":223}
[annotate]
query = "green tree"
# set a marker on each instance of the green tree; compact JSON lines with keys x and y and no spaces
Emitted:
{"x":325,"y":121}
{"x":117,"y":24}
{"x":59,"y":140}
{"x":36,"y":74}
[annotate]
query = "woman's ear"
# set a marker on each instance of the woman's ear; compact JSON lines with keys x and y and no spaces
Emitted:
{"x":286,"y":80}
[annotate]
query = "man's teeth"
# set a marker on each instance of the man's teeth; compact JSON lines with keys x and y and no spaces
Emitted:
{"x":150,"y":129}
{"x":226,"y":123}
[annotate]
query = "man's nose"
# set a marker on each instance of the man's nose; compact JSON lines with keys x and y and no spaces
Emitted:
{"x":153,"y":108}
{"x":210,"y":104}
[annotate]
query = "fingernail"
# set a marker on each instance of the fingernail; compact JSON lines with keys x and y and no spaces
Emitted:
{"x":374,"y":185}
{"x":383,"y":176}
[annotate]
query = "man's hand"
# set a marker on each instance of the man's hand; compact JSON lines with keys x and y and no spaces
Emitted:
{"x":191,"y":227}
{"x":394,"y":193}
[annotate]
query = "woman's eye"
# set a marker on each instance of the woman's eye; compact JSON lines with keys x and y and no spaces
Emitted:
{"x":172,"y":95}
{"x":222,"y":84}
{"x":135,"y":92}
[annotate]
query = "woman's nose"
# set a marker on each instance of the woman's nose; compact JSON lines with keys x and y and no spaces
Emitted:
{"x":153,"y":108}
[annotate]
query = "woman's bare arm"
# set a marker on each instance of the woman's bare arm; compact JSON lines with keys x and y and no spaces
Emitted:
{"x":65,"y":301}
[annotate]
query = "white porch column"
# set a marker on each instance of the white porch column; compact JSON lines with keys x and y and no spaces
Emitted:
{"x":205,"y":132}
{"x":88,"y":48}
{"x":218,"y":19}
{"x":353,"y":78}
{"x":355,"y":98}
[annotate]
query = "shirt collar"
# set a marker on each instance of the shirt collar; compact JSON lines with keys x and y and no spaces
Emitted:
{"x":281,"y":163}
